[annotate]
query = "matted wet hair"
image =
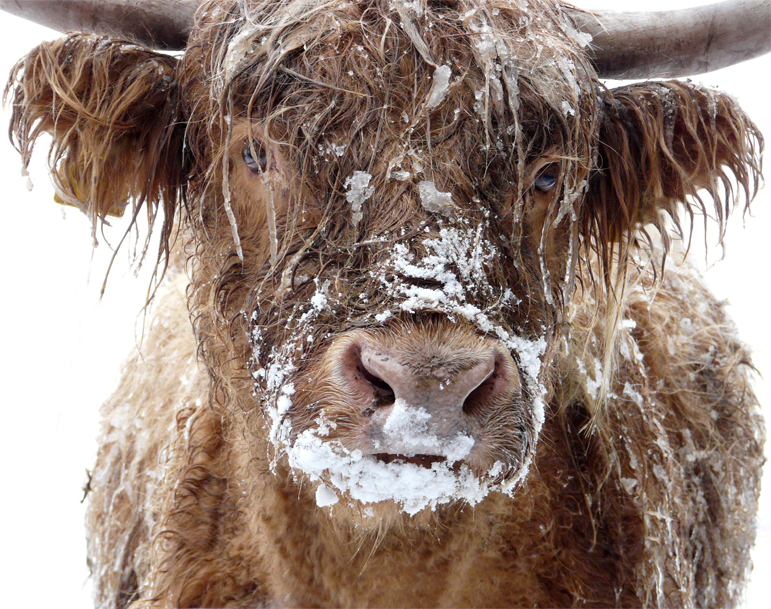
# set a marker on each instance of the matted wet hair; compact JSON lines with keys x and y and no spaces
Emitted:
{"x":142,"y":127}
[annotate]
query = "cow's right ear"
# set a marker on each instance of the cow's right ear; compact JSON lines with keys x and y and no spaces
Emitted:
{"x":666,"y":147}
{"x":112,"y":110}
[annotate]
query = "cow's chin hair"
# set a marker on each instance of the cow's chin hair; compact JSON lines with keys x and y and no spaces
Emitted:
{"x":387,"y":515}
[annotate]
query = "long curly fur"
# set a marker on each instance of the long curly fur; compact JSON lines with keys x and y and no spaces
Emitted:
{"x":644,"y":483}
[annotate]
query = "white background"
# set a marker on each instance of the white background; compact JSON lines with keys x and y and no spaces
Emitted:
{"x":62,"y":346}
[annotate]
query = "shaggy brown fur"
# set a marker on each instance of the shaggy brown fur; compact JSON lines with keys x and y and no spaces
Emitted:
{"x":636,"y":486}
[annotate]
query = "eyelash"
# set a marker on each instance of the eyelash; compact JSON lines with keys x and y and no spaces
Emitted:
{"x":258,"y":165}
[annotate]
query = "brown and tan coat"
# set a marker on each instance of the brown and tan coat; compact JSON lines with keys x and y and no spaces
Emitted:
{"x":438,"y":353}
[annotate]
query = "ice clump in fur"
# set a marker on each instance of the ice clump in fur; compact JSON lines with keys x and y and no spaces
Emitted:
{"x":439,"y":87}
{"x":358,"y":191}
{"x":435,"y":201}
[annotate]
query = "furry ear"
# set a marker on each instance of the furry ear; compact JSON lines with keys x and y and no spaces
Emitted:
{"x":112,"y":110}
{"x":662,"y":145}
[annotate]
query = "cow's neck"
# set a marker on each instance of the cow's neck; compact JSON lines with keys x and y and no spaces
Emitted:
{"x":315,"y":559}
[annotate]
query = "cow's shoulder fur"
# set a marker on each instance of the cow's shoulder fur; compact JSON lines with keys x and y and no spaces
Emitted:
{"x":629,"y":482}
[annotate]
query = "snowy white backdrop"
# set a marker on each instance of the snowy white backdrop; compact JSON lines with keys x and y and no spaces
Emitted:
{"x":62,"y":346}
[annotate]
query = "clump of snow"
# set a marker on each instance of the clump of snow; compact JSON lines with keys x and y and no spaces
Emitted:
{"x":440,"y":86}
{"x":331,"y":150}
{"x":408,"y":432}
{"x":414,"y":5}
{"x":368,"y":480}
{"x":319,"y":299}
{"x":628,"y":484}
{"x":479,"y":104}
{"x":593,"y":382}
{"x":325,"y":496}
{"x":583,"y":39}
{"x":381,"y":317}
{"x":632,"y":394}
{"x":283,"y":404}
{"x":25,"y":174}
{"x":568,"y":69}
{"x":358,"y":191}
{"x":435,"y":201}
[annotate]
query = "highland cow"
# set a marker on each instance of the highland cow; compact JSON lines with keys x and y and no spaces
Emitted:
{"x":423,"y":338}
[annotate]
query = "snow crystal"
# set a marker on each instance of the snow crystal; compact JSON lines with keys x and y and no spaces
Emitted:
{"x":439,"y":87}
{"x":381,"y":317}
{"x":628,"y":484}
{"x":358,"y":191}
{"x":632,"y":394}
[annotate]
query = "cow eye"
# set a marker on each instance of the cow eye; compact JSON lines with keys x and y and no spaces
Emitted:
{"x":546,"y":179}
{"x":255,"y":157}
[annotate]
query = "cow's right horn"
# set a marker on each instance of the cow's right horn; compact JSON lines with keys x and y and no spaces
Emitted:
{"x":160,"y":24}
{"x":678,"y":43}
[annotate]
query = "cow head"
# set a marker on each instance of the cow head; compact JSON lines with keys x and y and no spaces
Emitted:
{"x":388,"y":208}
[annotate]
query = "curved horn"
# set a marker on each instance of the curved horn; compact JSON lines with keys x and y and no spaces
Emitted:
{"x":676,"y":43}
{"x":625,"y":45}
{"x":160,"y":24}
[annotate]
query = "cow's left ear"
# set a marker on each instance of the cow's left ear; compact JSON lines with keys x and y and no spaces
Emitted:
{"x":112,"y":111}
{"x":664,"y":144}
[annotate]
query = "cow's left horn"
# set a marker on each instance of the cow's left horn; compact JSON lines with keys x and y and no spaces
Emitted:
{"x":160,"y":24}
{"x":676,"y":43}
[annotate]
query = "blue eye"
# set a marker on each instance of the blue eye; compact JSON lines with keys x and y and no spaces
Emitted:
{"x":255,"y":157}
{"x":547,"y":178}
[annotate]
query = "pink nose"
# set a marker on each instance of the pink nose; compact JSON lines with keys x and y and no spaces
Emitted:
{"x":435,"y":385}
{"x":438,"y":389}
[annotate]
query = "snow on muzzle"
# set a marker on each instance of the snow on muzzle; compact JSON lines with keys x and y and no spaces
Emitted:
{"x":420,"y":414}
{"x":417,"y":413}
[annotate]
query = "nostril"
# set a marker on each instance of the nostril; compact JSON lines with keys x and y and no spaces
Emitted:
{"x":384,"y":394}
{"x":482,"y":393}
{"x":501,"y":383}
